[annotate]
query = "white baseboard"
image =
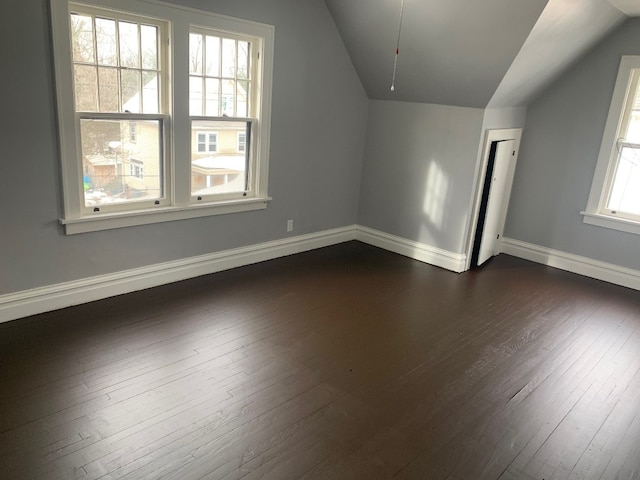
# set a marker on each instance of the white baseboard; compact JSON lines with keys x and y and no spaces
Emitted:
{"x":607,"y":272}
{"x":44,"y":299}
{"x":422,"y":252}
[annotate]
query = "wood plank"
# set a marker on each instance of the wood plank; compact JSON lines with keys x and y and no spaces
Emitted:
{"x":344,"y":362}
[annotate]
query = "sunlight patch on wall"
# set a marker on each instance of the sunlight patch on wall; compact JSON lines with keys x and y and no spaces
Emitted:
{"x":436,"y":190}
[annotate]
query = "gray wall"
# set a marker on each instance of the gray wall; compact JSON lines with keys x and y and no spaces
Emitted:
{"x":317,"y":141}
{"x":558,"y":156}
{"x":418,"y":172}
{"x":507,"y":117}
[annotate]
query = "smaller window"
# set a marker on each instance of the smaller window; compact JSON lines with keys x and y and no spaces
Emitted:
{"x":136,"y":169}
{"x":242,"y":142}
{"x":207,"y":142}
{"x":133,"y":132}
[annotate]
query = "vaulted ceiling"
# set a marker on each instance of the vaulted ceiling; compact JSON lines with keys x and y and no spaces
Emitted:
{"x":489,"y":53}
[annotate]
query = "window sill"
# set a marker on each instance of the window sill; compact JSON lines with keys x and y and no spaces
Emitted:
{"x":107,"y":221}
{"x":613,"y":223}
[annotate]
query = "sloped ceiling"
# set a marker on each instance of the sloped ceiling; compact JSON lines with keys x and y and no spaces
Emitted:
{"x":629,"y":7}
{"x":468,"y":53}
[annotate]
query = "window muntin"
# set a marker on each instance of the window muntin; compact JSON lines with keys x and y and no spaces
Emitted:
{"x":220,"y":77}
{"x":115,"y":62}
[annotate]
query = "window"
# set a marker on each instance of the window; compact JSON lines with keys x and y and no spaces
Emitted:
{"x":136,"y":169}
{"x":117,"y":71}
{"x":150,"y":124}
{"x":207,"y":142}
{"x":242,"y":141}
{"x":221,"y":96}
{"x":614,"y":201}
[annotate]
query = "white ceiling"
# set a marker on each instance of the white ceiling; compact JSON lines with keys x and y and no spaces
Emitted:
{"x":565,"y":30}
{"x":469,"y":53}
{"x":629,"y":7}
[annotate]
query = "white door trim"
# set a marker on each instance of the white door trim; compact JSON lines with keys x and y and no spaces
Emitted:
{"x":491,"y":136}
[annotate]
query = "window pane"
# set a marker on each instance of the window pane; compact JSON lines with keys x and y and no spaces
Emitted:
{"x":228,"y":98}
{"x":106,"y":42}
{"x":195,"y":96}
{"x":149,"y":39}
{"x":150,"y":101}
{"x":195,"y":54}
{"x":129,"y":45}
{"x":213,"y":142}
{"x":228,"y":58}
{"x":109,"y":91}
{"x":213,"y":97}
{"x":117,"y":170}
{"x":213,"y":56}
{"x":632,"y":133}
{"x":131,"y":92}
{"x":243,"y":60}
{"x":202,"y":142}
{"x":86,"y":88}
{"x":220,"y":167}
{"x":625,"y":192}
{"x":82,"y":38}
{"x":243,"y":106}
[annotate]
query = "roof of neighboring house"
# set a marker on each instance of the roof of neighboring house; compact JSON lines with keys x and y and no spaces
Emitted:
{"x":100,"y":160}
{"x":221,"y":162}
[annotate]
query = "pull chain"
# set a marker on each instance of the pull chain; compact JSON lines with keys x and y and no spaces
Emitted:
{"x":395,"y":61}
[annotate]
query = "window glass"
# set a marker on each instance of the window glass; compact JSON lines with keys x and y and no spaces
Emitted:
{"x":115,"y":80}
{"x":625,"y":191}
{"x":223,"y":86}
{"x":217,"y":164}
{"x":109,"y":148}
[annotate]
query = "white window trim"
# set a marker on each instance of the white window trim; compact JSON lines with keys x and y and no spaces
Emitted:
{"x":178,"y":165}
{"x":595,"y":213}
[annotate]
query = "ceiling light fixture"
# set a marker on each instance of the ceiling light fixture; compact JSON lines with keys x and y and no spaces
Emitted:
{"x":395,"y":62}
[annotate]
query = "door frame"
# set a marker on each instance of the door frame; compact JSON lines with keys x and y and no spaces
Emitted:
{"x":494,"y":135}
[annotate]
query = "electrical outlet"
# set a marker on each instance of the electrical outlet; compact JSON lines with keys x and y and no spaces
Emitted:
{"x":289,"y":225}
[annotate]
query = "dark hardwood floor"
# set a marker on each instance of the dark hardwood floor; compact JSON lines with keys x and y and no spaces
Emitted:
{"x":347,"y":362}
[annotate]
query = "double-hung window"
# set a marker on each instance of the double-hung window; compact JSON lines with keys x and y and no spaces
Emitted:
{"x":152,"y":101}
{"x":614,"y":201}
{"x":221,"y":96}
{"x":119,"y":72}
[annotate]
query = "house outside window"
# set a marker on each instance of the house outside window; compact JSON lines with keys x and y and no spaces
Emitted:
{"x":614,"y":201}
{"x":242,"y":141}
{"x":116,"y":91}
